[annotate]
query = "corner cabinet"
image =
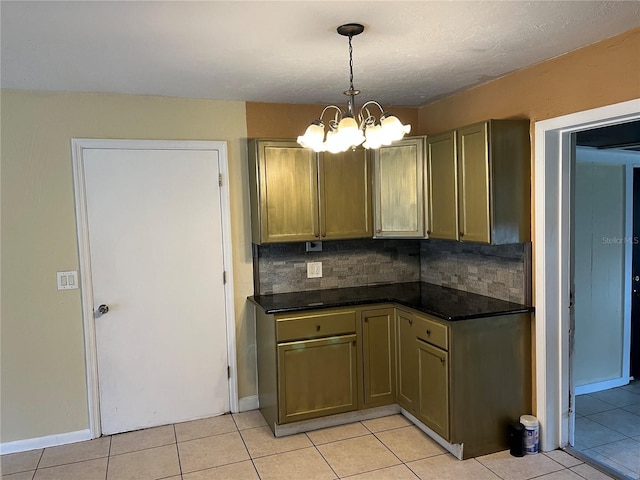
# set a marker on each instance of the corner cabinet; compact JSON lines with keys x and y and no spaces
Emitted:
{"x":460,"y":381}
{"x":494,"y":193}
{"x":298,"y":195}
{"x":398,"y":189}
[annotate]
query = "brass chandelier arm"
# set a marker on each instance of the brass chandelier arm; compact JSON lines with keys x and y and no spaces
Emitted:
{"x":368,"y":119}
{"x":344,"y":131}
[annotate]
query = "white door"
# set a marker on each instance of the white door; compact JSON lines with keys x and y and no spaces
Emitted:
{"x":155,"y":239}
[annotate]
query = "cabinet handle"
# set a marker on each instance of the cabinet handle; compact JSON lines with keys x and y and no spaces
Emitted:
{"x":462,"y":234}
{"x":353,"y":343}
{"x":317,"y":328}
{"x":428,"y":232}
{"x":411,"y":321}
{"x":428,"y":333}
{"x":366,"y":320}
{"x":442,"y":361}
{"x":317,"y":235}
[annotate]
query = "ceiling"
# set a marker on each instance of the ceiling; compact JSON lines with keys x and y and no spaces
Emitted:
{"x":410,"y":53}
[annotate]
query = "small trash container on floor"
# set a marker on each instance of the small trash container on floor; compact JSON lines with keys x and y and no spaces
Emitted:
{"x":531,"y":434}
{"x":516,"y":439}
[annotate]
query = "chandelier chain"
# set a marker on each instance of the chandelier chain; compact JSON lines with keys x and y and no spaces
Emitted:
{"x":350,"y":64}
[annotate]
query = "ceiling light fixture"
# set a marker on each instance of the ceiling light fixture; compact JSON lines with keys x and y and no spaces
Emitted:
{"x":344,"y":131}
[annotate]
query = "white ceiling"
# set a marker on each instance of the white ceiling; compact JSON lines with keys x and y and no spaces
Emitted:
{"x":275,"y":51}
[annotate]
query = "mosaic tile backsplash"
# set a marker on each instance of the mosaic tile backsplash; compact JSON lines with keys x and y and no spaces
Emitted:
{"x":345,"y":263}
{"x":501,"y":271}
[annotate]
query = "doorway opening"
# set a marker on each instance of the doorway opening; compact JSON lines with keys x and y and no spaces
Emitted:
{"x":552,"y":215}
{"x":605,"y":187}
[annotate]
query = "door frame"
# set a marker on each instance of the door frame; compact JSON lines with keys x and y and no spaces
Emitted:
{"x":78,"y":145}
{"x":552,"y":254}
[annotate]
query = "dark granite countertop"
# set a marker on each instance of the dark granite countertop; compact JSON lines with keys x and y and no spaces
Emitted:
{"x":446,"y":303}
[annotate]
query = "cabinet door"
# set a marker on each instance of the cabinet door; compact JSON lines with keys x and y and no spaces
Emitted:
{"x":442,"y":187}
{"x":345,"y":195}
{"x":433,"y":379}
{"x":317,"y":378}
{"x":407,"y":361}
{"x":288,"y":192}
{"x":379,"y":357}
{"x":398,"y":189}
{"x":473,"y":183}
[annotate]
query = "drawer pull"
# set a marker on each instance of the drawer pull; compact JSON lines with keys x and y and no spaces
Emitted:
{"x":428,"y":333}
{"x":442,"y":361}
{"x":317,"y":328}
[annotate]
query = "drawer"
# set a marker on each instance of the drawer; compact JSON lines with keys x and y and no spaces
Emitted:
{"x":322,"y":324}
{"x":432,"y":332}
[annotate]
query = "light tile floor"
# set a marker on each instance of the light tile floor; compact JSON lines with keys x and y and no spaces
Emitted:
{"x":608,"y":427}
{"x":241,"y":446}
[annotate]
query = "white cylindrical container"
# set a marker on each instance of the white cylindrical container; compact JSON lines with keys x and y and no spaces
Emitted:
{"x":531,"y":434}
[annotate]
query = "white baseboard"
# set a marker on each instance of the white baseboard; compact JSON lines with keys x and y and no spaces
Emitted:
{"x":43,"y":442}
{"x":599,"y":386}
{"x":248,"y":403}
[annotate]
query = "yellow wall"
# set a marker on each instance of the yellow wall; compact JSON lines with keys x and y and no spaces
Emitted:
{"x":600,"y":74}
{"x":43,"y":366}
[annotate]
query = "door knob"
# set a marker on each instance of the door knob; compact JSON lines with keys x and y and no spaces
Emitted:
{"x":103,"y":309}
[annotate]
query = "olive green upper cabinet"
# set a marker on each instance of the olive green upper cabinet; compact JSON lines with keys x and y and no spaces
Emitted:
{"x":398,"y":189}
{"x":299,"y":196}
{"x":345,"y":195}
{"x":494,"y":191}
{"x":442,"y":187}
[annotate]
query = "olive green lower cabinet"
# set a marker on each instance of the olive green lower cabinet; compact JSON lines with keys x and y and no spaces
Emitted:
{"x":474,"y":377}
{"x":461,"y":382}
{"x":378,"y":357}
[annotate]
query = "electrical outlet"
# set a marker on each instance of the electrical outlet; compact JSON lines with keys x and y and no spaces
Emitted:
{"x":314,"y":269}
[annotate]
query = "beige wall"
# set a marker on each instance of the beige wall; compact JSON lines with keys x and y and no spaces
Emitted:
{"x":43,"y":367}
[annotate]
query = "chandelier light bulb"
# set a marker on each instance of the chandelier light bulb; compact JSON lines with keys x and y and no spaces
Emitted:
{"x":344,"y":131}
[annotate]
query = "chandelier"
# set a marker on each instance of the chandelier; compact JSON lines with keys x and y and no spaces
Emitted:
{"x":344,"y":131}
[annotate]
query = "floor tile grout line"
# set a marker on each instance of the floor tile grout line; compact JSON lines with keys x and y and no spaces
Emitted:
{"x":325,"y":460}
{"x":609,"y":427}
{"x":175,"y":437}
{"x":322,"y":456}
{"x":70,"y":463}
{"x":106,"y":470}
{"x":39,"y":460}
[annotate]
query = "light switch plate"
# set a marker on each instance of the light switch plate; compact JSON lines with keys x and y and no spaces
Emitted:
{"x":67,"y":280}
{"x":314,"y":269}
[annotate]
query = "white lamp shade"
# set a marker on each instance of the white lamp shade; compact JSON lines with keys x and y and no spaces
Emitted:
{"x":373,"y":136}
{"x":350,"y":133}
{"x":334,"y":143}
{"x":393,"y":129}
{"x":313,"y":137}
